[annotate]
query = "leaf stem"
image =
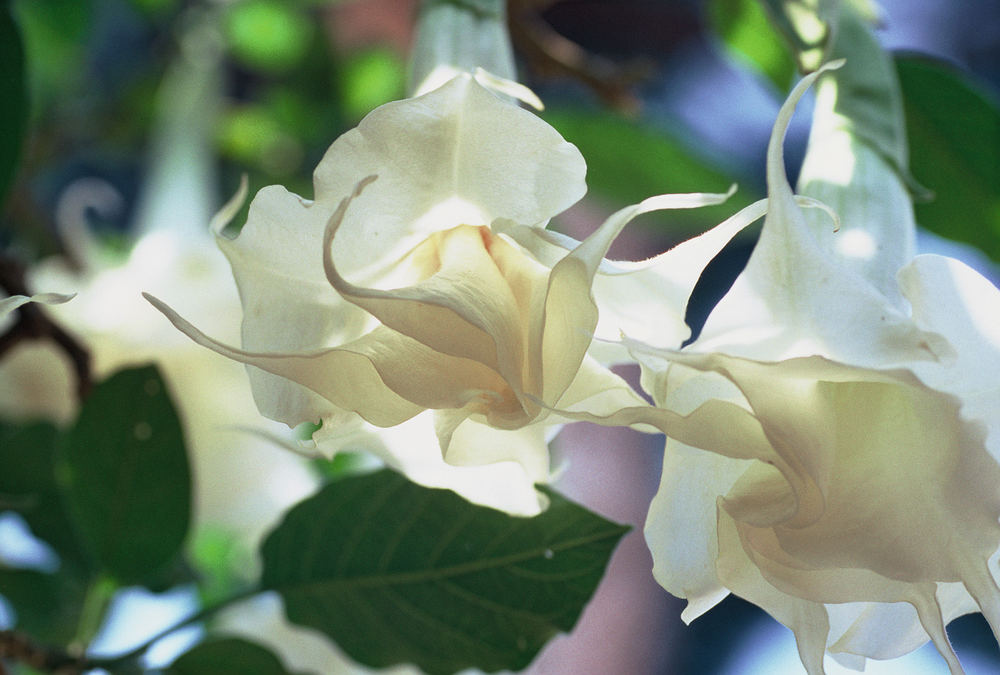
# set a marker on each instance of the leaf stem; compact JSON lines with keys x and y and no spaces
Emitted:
{"x":95,"y":602}
{"x":197,"y":617}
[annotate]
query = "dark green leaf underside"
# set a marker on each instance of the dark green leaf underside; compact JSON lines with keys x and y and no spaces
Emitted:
{"x":128,"y":479}
{"x":229,"y":655}
{"x":954,"y":133}
{"x":398,"y":573}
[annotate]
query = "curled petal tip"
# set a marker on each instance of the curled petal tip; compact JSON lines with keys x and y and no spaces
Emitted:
{"x":333,"y":224}
{"x":509,"y":87}
{"x":229,"y":209}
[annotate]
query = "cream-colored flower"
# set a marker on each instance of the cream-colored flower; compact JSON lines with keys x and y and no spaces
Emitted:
{"x":852,"y":483}
{"x":403,"y":288}
{"x":867,"y":471}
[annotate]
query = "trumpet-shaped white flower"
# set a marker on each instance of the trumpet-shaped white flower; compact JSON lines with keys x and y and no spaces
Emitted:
{"x":865,"y":473}
{"x":421,"y":279}
{"x":851,"y":486}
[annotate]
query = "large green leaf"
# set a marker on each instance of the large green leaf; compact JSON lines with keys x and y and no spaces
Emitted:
{"x":229,"y":655}
{"x":953,"y":127}
{"x":629,"y":161}
{"x":127,"y":477}
{"x":398,"y":573}
{"x":28,"y":486}
{"x":14,"y":94}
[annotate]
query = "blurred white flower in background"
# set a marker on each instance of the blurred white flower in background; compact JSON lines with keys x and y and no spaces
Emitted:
{"x":242,"y":482}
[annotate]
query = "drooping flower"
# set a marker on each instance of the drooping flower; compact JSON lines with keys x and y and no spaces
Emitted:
{"x":403,"y":288}
{"x":851,"y":486}
{"x":873,"y":454}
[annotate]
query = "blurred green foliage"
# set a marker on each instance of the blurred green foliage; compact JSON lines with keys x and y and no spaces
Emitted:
{"x":628,"y":161}
{"x":267,"y":35}
{"x":110,"y":496}
{"x":14,"y":94}
{"x":953,"y":126}
{"x":745,"y":30}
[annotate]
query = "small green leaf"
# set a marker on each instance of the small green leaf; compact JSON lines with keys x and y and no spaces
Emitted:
{"x":14,"y":94}
{"x":746,"y":32}
{"x":805,"y":24}
{"x":127,"y":478}
{"x":28,"y":486}
{"x":629,"y":161}
{"x":398,"y":573}
{"x":48,"y":606}
{"x":229,"y":655}
{"x":953,"y":127}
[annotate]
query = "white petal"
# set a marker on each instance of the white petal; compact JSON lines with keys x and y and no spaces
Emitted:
{"x":877,"y":234}
{"x":794,"y":299}
{"x":9,"y":304}
{"x":646,"y":300}
{"x":455,"y":156}
{"x":950,"y":298}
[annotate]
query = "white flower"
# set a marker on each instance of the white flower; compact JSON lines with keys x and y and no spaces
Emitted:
{"x":419,"y":280}
{"x":851,"y":486}
{"x":865,"y":470}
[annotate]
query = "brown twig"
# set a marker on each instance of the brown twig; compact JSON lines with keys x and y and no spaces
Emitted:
{"x":18,"y":647}
{"x":34,"y":324}
{"x":548,"y":52}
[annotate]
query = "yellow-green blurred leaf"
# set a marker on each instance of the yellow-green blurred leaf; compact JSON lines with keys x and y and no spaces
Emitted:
{"x":746,"y":32}
{"x":267,"y":35}
{"x":370,"y":78}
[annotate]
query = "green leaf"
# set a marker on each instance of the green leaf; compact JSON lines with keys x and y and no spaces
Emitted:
{"x":230,"y":655}
{"x":747,"y":33}
{"x":398,"y":573}
{"x":805,"y":24}
{"x":55,"y":39}
{"x":48,"y":606}
{"x":868,"y":92}
{"x":127,"y":478}
{"x":628,"y":161}
{"x":28,"y":486}
{"x":953,"y":127}
{"x":14,"y":94}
